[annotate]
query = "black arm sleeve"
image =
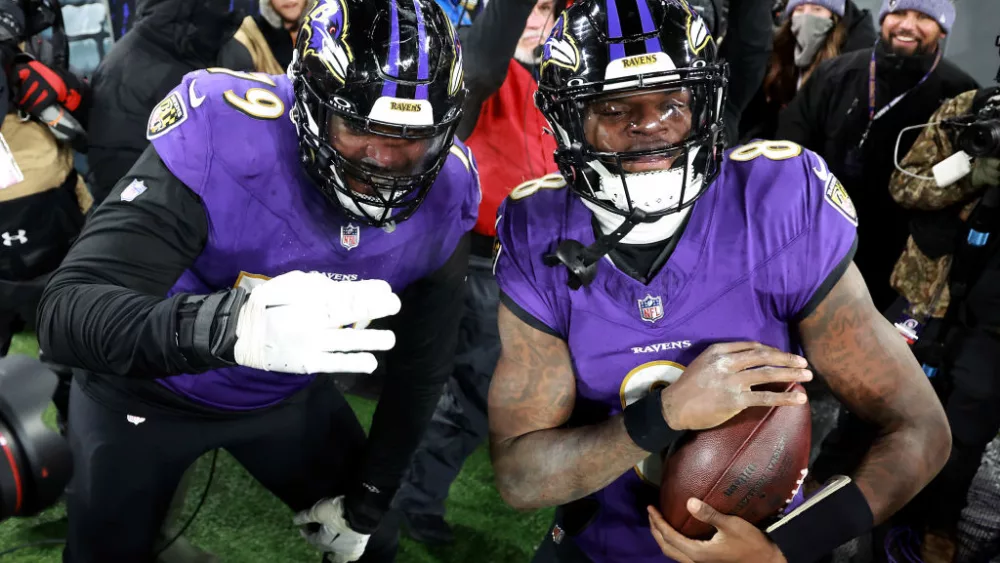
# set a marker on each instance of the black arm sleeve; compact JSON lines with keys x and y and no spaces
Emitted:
{"x":104,"y":308}
{"x":487,"y":47}
{"x":426,"y":338}
{"x":746,"y":47}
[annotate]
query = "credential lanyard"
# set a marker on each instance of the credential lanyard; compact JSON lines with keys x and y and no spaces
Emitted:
{"x":872,"y":115}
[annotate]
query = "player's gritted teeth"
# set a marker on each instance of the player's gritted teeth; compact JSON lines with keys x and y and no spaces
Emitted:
{"x":359,"y":187}
{"x":639,"y":123}
{"x":648,"y":163}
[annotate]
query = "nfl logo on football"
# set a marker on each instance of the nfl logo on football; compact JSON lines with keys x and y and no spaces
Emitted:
{"x":651,"y":308}
{"x":349,"y":236}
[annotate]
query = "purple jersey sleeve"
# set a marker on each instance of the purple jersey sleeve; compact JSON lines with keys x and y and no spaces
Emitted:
{"x":520,"y":272}
{"x":473,"y":194}
{"x":818,"y":225}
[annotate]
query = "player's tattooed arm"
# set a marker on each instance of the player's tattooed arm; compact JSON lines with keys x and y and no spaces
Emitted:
{"x":537,"y":463}
{"x":870,"y":368}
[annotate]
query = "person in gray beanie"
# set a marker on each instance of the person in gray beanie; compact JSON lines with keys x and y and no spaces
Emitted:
{"x":811,"y":31}
{"x":856,"y":111}
{"x":915,"y":27}
{"x":835,"y":114}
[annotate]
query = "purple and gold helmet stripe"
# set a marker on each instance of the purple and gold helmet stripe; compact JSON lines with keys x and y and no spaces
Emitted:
{"x":421,"y":92}
{"x":617,"y":10}
{"x":389,"y":88}
{"x":652,"y":44}
{"x":617,"y":50}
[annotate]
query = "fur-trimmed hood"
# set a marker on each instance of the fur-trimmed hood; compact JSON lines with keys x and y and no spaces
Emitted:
{"x":273,"y":19}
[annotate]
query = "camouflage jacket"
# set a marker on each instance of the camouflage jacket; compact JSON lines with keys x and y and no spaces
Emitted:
{"x":921,"y":280}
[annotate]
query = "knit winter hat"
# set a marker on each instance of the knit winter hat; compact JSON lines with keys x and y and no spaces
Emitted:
{"x":835,"y":6}
{"x":941,"y":10}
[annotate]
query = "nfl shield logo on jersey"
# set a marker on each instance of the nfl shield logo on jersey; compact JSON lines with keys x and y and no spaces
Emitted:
{"x":349,"y":236}
{"x":134,"y":190}
{"x":651,"y":308}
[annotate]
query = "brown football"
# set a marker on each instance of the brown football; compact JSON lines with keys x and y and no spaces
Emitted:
{"x":749,"y":467}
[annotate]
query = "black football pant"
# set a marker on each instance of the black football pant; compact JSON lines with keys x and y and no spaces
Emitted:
{"x":459,"y":423}
{"x":559,"y":545}
{"x":129,"y":458}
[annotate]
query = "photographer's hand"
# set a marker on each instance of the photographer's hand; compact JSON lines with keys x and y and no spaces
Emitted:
{"x":986,"y":172}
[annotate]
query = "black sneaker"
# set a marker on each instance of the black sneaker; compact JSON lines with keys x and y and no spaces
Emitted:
{"x":429,"y":529}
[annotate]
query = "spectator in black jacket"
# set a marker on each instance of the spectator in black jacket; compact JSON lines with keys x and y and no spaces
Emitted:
{"x":746,"y":46}
{"x":812,"y":31}
{"x":269,"y":37}
{"x":834,"y":116}
{"x":170,"y":38}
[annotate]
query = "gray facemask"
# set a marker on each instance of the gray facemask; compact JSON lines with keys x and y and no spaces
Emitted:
{"x":810,"y":35}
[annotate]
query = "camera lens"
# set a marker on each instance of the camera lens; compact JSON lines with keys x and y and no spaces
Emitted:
{"x":12,"y":489}
{"x":981,"y":138}
{"x":35,"y":462}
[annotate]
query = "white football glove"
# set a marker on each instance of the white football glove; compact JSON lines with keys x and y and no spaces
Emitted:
{"x":300,"y":323}
{"x":334,"y":536}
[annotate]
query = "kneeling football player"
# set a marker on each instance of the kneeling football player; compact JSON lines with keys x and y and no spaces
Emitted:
{"x":272,"y":218}
{"x":647,"y":287}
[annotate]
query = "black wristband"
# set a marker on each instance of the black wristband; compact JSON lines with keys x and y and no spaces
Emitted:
{"x":222,"y":335}
{"x":646,"y":426}
{"x":206,"y":328}
{"x":364,"y":506}
{"x":836,"y":514}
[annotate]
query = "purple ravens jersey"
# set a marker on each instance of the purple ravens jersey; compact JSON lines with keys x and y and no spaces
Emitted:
{"x":228,"y":136}
{"x":772,"y":232}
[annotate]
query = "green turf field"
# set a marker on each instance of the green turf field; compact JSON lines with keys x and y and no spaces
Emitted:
{"x":241,"y":522}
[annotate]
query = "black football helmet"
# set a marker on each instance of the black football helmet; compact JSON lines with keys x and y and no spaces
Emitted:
{"x":608,"y":49}
{"x":379,"y":90}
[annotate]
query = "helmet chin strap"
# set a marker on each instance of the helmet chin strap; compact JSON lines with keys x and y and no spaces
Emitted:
{"x":581,"y":261}
{"x":648,"y":192}
{"x":653,"y":192}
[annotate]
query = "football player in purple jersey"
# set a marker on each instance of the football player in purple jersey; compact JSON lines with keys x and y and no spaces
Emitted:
{"x":241,"y":261}
{"x":652,"y":283}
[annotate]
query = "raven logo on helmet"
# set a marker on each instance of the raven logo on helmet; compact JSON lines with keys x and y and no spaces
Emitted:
{"x":560,"y":49}
{"x":457,"y":75}
{"x":697,"y":32}
{"x":325,"y":30}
